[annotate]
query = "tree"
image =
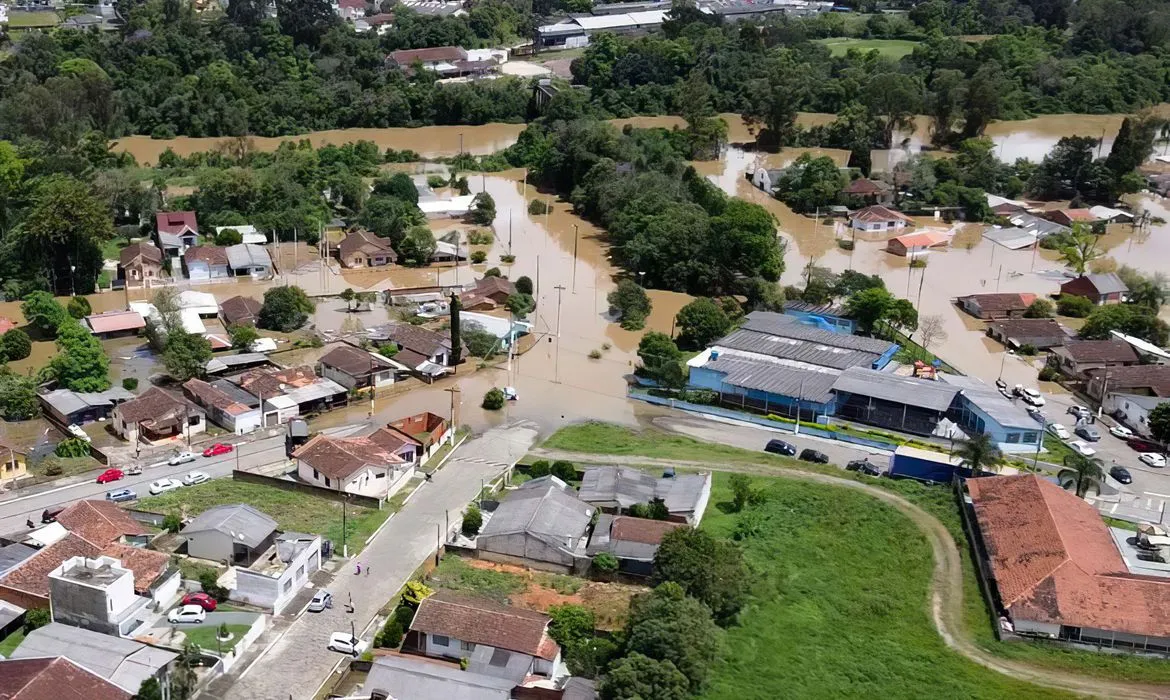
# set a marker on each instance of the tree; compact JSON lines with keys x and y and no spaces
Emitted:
{"x":658,"y":353}
{"x":741,"y":490}
{"x":398,"y":185}
{"x":1087,"y":471}
{"x":776,"y":97}
{"x":701,"y":322}
{"x":18,"y":396}
{"x":896,"y":98}
{"x":183,"y":678}
{"x":72,"y":447}
{"x":243,"y":336}
{"x":36,"y":618}
{"x":305,"y":20}
{"x":186,"y":355}
{"x":1074,"y":306}
{"x":810,"y":183}
{"x":571,"y":624}
{"x":15,"y":345}
{"x":605,"y":564}
{"x":149,"y":690}
{"x":631,"y":303}
{"x":58,"y":243}
{"x":1081,"y":251}
{"x":389,"y":217}
{"x":519,"y":304}
{"x":638,"y":677}
{"x":472,"y":521}
{"x":1133,"y":145}
{"x":416,"y":247}
{"x":524,"y":285}
{"x":285,"y":309}
{"x":1041,"y":308}
{"x":668,"y":625}
{"x":1131,"y":319}
{"x":228,"y":237}
{"x":871,"y":307}
{"x":455,"y":306}
{"x":493,"y":272}
{"x":930,"y":330}
{"x":1159,"y":422}
{"x":483,"y":209}
{"x":712,"y":571}
{"x":43,"y":313}
{"x":1069,"y":171}
{"x":564,"y":470}
{"x":79,"y":308}
{"x":82,"y":364}
{"x":493,"y":400}
{"x":979,"y":452}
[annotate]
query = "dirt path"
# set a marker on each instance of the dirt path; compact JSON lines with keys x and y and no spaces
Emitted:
{"x":946,"y":603}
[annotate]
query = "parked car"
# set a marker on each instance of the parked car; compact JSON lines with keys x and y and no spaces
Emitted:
{"x":1088,"y":432}
{"x":1059,"y":431}
{"x":322,"y":599}
{"x":346,"y":643}
{"x":1036,"y":413}
{"x":187,"y":613}
{"x":1141,"y":445}
{"x":181,"y":458}
{"x":1121,"y":474}
{"x":1001,"y":384}
{"x":134,"y":471}
{"x":76,"y":431}
{"x":1082,"y":448}
{"x":1033,"y":397}
{"x":1153,"y":459}
{"x":50,"y":514}
{"x":201,"y":599}
{"x":195,"y":478}
{"x":810,"y":455}
{"x":164,"y":485}
{"x":218,"y":448}
{"x":121,"y":495}
{"x":863,"y":466}
{"x":110,"y":475}
{"x":779,"y":447}
{"x":1121,"y":431}
{"x":1080,"y":412}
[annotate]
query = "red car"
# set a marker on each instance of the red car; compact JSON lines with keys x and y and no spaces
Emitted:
{"x":201,"y":599}
{"x":1143,"y":445}
{"x":110,"y":475}
{"x":217,"y":449}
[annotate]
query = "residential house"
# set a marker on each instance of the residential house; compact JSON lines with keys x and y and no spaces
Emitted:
{"x":1109,"y":215}
{"x":140,"y":262}
{"x":202,"y":304}
{"x":446,"y":252}
{"x":1040,"y":333}
{"x":249,"y":259}
{"x":13,"y":464}
{"x":870,"y":191}
{"x":377,"y":465}
{"x":365,"y":249}
{"x":1002,"y":206}
{"x":206,"y":262}
{"x":233,"y":363}
{"x":354,"y":368}
{"x":290,"y":392}
{"x":239,"y":311}
{"x":767,"y":179}
{"x":381,"y":22}
{"x":115,"y":324}
{"x":44,"y":678}
{"x":996,"y":306}
{"x":980,"y":408}
{"x":878,"y":219}
{"x":1150,"y":353}
{"x":496,"y":640}
{"x":427,"y":353}
{"x":350,"y":10}
{"x":1078,"y":356}
{"x":103,"y":523}
{"x":1068,"y":217}
{"x":223,"y":409}
{"x":11,"y":619}
{"x":278,"y":575}
{"x":1012,"y":238}
{"x":489,"y":293}
{"x":248,"y":233}
{"x":123,"y":662}
{"x":12,"y":555}
{"x":177,"y":231}
{"x":429,"y":430}
{"x":632,"y":541}
{"x":1104,"y":288}
{"x":917,"y":245}
{"x":1133,"y":410}
{"x":234,"y":534}
{"x":443,"y":60}
{"x":157,"y":415}
{"x":1053,"y":571}
{"x":97,"y":595}
{"x":616,"y":489}
{"x":540,"y":525}
{"x":1042,"y":228}
{"x":1143,"y":380}
{"x":402,"y":676}
{"x":65,"y":407}
{"x":829,"y":316}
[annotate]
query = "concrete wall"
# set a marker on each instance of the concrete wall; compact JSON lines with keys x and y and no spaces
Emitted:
{"x":209,"y":544}
{"x":701,"y":507}
{"x":338,"y":376}
{"x":166,"y":590}
{"x":275,"y":592}
{"x":1043,"y":629}
{"x":101,"y":607}
{"x":836,"y":324}
{"x":318,"y":491}
{"x":1134,"y":416}
{"x":524,"y":550}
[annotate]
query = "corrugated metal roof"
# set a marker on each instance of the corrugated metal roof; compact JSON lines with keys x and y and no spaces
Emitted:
{"x":809,"y":352}
{"x":406,"y":677}
{"x":123,"y":662}
{"x":790,"y":327}
{"x":240,"y":521}
{"x":774,"y":378}
{"x":922,"y":393}
{"x":541,"y":507}
{"x":248,"y":255}
{"x":990,"y":401}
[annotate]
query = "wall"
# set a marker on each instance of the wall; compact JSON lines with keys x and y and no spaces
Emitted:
{"x":209,"y":544}
{"x":319,"y":491}
{"x":1135,"y":416}
{"x":701,"y":506}
{"x":844,"y":326}
{"x":275,"y":592}
{"x":165,"y":591}
{"x":1043,"y":629}
{"x":338,"y":376}
{"x":999,"y":433}
{"x":522,"y":560}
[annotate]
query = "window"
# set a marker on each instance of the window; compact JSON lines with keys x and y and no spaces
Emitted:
{"x":327,"y":481}
{"x":287,"y":585}
{"x":1030,"y":438}
{"x":380,"y":475}
{"x":316,"y":475}
{"x":1013,"y":437}
{"x":439,"y":640}
{"x":193,"y":420}
{"x":467,"y":646}
{"x":301,"y":571}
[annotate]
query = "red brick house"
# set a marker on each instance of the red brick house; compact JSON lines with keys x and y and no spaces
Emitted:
{"x":995,"y":306}
{"x":1100,"y":289}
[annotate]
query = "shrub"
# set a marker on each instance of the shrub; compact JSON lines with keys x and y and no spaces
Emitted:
{"x":595,"y":354}
{"x":1074,"y":306}
{"x":472,"y":521}
{"x":493,"y":272}
{"x":1027,"y":349}
{"x":436,"y":181}
{"x":207,"y":581}
{"x":15,"y":345}
{"x":480,"y":236}
{"x":524,"y":285}
{"x":53,"y":468}
{"x":79,"y":307}
{"x":478,"y":256}
{"x":71,"y":447}
{"x":493,"y":400}
{"x":565,"y":471}
{"x":130,"y":383}
{"x":537,"y":207}
{"x":36,"y":618}
{"x":918,"y":262}
{"x":1048,"y":374}
{"x":571,"y":624}
{"x":1041,"y":308}
{"x":391,"y":635}
{"x":509,"y":258}
{"x":605,"y":565}
{"x":539,"y":468}
{"x":172,"y":522}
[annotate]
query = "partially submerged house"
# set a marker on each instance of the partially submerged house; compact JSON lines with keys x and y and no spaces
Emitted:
{"x":206,"y":262}
{"x":115,"y":324}
{"x":1077,"y":357}
{"x":542,"y":525}
{"x":870,"y":191}
{"x":157,"y":415}
{"x":364,"y":249}
{"x":1040,"y":333}
{"x":239,"y":311}
{"x":996,"y":306}
{"x":140,"y":263}
{"x":425,"y":352}
{"x":1068,"y":217}
{"x":1106,"y":288}
{"x":487,"y":294}
{"x":878,"y":219}
{"x":249,"y":259}
{"x":66,"y":407}
{"x":355,"y":368}
{"x":919,"y":244}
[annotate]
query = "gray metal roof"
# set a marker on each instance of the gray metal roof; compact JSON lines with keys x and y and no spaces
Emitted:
{"x":123,"y":662}
{"x":240,"y":521}
{"x":320,"y":389}
{"x":1012,"y":238}
{"x":544,"y":509}
{"x":683,"y":492}
{"x":8,"y":613}
{"x":248,"y":255}
{"x":923,"y":393}
{"x":408,"y":679}
{"x":13,"y":554}
{"x":774,"y":378}
{"x":990,"y":401}
{"x":627,"y":486}
{"x":786,"y":337}
{"x":67,"y":402}
{"x":235,"y":393}
{"x":511,"y":666}
{"x":790,"y":327}
{"x":602,"y":541}
{"x":1107,"y":283}
{"x":1042,"y":227}
{"x":578,"y":688}
{"x":226,"y":362}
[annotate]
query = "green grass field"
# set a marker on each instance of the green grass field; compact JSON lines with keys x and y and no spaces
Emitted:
{"x":28,"y":20}
{"x":893,"y":49}
{"x":205,"y":637}
{"x":9,"y":643}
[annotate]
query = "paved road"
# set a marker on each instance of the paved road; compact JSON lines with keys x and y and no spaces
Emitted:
{"x":709,"y":429}
{"x":297,"y":662}
{"x":16,"y":509}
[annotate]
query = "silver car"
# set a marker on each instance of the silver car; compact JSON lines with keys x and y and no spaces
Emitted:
{"x":322,"y":600}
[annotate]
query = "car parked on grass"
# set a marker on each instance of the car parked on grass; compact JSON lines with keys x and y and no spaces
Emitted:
{"x":1121,"y":474}
{"x":187,"y":614}
{"x":1121,"y":431}
{"x":810,"y":455}
{"x":181,"y":458}
{"x":1082,"y":448}
{"x":1088,"y":432}
{"x":346,"y":643}
{"x":779,"y":447}
{"x":121,"y":495}
{"x":201,"y":599}
{"x":164,"y":485}
{"x":218,"y":448}
{"x":1153,"y":459}
{"x":195,"y":478}
{"x":863,"y":466}
{"x":110,"y":475}
{"x":322,"y":599}
{"x":1059,"y":431}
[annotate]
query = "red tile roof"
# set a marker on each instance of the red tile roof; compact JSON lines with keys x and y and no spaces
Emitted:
{"x":878,"y":213}
{"x":1083,"y":215}
{"x":354,"y":361}
{"x":54,"y":679}
{"x":240,"y":310}
{"x":1112,"y":350}
{"x":113,"y":321}
{"x":141,"y":253}
{"x":341,"y":458}
{"x":100,"y":522}
{"x":146,"y":564}
{"x":210,"y":254}
{"x":864,"y":187}
{"x":207,"y":395}
{"x":1054,"y":561}
{"x":152,"y":405}
{"x":432,"y":55}
{"x":483,"y":621}
{"x":32,"y":576}
{"x":643,"y":530}
{"x":175,"y":221}
{"x":1006,"y":301}
{"x":368,"y":243}
{"x":1152,"y":378}
{"x":922,"y":238}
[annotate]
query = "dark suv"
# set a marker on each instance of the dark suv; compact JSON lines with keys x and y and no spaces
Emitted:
{"x":811,"y":455}
{"x":779,"y":447}
{"x":863,"y":466}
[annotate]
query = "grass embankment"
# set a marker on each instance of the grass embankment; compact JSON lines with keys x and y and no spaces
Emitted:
{"x":205,"y":637}
{"x":9,"y":643}
{"x":888,"y":48}
{"x":291,"y":510}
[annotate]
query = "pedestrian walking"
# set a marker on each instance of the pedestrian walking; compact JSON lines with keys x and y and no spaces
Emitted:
{"x":358,"y":569}
{"x":367,"y":568}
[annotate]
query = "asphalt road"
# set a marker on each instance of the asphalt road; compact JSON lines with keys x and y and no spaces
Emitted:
{"x":14,"y":511}
{"x":711,"y":429}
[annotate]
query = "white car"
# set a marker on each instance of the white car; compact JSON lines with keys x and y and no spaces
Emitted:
{"x":76,"y":431}
{"x":195,"y":478}
{"x":164,"y":485}
{"x":1059,"y":431}
{"x":346,"y":644}
{"x":181,"y":458}
{"x":1121,"y":431}
{"x":1082,"y":448}
{"x":187,"y":613}
{"x":1153,"y":459}
{"x":1033,"y":397}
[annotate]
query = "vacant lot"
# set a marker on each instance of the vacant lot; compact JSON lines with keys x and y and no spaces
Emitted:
{"x":292,"y":510}
{"x":839,"y":604}
{"x":24,"y":20}
{"x":888,"y":48}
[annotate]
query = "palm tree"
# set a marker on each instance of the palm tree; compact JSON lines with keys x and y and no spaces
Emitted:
{"x":979,"y":451}
{"x":1087,"y":471}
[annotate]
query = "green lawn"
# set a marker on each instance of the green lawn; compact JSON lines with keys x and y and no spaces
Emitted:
{"x":292,"y":510}
{"x":112,"y":249}
{"x":9,"y":643}
{"x":26,"y":20}
{"x":839,"y":604}
{"x":888,"y":48}
{"x":205,"y":637}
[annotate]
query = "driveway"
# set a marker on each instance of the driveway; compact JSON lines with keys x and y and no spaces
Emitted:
{"x":294,"y":661}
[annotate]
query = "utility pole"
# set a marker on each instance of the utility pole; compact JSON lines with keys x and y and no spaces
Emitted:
{"x":557,"y":362}
{"x":509,"y":231}
{"x":454,"y":392}
{"x":575,"y":237}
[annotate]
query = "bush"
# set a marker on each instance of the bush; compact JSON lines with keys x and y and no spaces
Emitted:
{"x":493,"y":400}
{"x":571,"y":624}
{"x":71,"y":447}
{"x":54,"y":468}
{"x":478,"y":257}
{"x":79,"y":307}
{"x":917,"y":263}
{"x":1048,"y":374}
{"x":539,"y":468}
{"x":207,"y":581}
{"x":1041,"y":308}
{"x":565,"y":471}
{"x":36,"y":618}
{"x":493,"y":272}
{"x":480,"y":236}
{"x":1028,"y":349}
{"x":172,"y":522}
{"x":605,"y":565}
{"x":509,"y":258}
{"x":472,"y":521}
{"x":436,"y":181}
{"x":391,"y":635}
{"x":15,"y":345}
{"x":130,"y":383}
{"x":1074,"y":306}
{"x":537,"y":207}
{"x":595,"y":354}
{"x":524,"y":285}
